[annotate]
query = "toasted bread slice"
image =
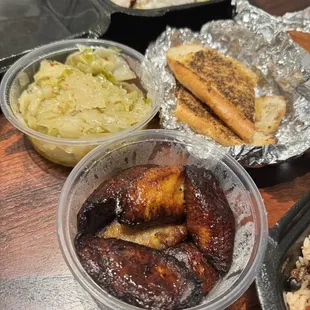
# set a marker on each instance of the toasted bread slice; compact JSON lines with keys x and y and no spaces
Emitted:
{"x":221,"y":82}
{"x":259,"y":139}
{"x":269,"y":112}
{"x":201,"y":119}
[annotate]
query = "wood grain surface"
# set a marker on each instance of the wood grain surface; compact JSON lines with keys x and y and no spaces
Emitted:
{"x":30,"y":187}
{"x":280,"y":7}
{"x":301,"y":38}
{"x":33,"y":274}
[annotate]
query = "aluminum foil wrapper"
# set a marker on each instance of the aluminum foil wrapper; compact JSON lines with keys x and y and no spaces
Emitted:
{"x":255,"y":38}
{"x":261,"y":22}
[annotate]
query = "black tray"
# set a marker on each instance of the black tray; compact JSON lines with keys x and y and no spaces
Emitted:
{"x":137,"y":28}
{"x":27,"y":24}
{"x":284,"y":248}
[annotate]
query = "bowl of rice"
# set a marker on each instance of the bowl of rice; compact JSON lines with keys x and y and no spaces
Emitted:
{"x":299,"y":297}
{"x":283,"y":281}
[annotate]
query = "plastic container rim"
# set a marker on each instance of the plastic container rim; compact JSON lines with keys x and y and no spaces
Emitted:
{"x":221,"y":302}
{"x":54,"y":48}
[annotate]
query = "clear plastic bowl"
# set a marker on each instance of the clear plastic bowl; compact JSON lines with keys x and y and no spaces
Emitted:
{"x":164,"y":147}
{"x":68,"y":152}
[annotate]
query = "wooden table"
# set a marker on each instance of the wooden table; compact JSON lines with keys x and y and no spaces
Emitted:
{"x":33,"y":274}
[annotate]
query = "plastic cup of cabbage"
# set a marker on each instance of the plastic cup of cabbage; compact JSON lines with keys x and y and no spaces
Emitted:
{"x":164,"y":147}
{"x":63,"y":151}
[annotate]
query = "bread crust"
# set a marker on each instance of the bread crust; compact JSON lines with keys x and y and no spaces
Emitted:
{"x":193,"y":76}
{"x":225,"y":110}
{"x":269,"y":112}
{"x":200,"y":119}
{"x":226,"y":87}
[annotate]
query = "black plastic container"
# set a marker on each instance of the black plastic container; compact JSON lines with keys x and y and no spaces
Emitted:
{"x":137,"y":28}
{"x":284,"y":248}
{"x":27,"y":24}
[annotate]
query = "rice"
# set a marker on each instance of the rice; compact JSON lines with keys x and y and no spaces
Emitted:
{"x":300,"y":300}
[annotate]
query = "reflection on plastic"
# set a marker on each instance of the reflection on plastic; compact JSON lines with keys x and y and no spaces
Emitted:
{"x":31,"y":23}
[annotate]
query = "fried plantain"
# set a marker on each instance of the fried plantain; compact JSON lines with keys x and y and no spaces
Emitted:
{"x":99,"y":208}
{"x":157,"y":197}
{"x":139,"y":275}
{"x":209,"y":219}
{"x":193,"y":259}
{"x":159,"y":237}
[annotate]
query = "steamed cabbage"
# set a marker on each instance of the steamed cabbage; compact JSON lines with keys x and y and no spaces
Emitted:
{"x":88,"y":96}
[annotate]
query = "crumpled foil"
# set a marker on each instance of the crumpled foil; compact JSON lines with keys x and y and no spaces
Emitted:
{"x":261,"y":42}
{"x":260,"y":21}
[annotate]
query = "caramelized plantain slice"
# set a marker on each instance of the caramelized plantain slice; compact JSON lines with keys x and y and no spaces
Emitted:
{"x":209,"y":219}
{"x":99,"y":208}
{"x":157,"y":197}
{"x":193,"y":259}
{"x":159,"y":237}
{"x":139,"y":275}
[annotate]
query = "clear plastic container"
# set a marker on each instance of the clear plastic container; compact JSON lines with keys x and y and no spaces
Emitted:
{"x":69,"y":151}
{"x":164,"y":147}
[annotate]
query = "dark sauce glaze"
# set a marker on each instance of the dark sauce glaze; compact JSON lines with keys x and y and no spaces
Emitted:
{"x":99,"y":208}
{"x":193,"y":259}
{"x":139,"y":275}
{"x":155,"y":198}
{"x":173,"y":279}
{"x":209,"y":219}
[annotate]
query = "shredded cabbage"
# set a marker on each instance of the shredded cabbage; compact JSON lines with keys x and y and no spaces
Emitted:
{"x":101,"y":61}
{"x":85,"y":97}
